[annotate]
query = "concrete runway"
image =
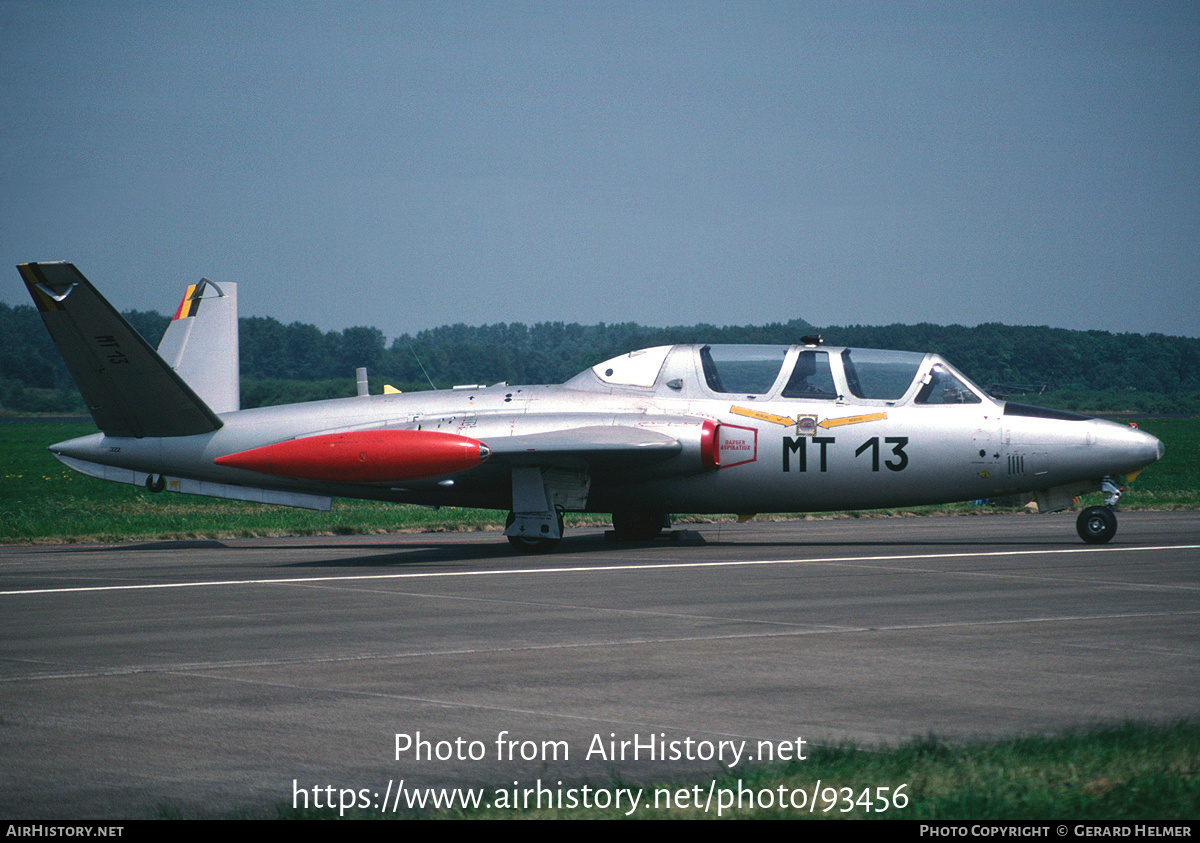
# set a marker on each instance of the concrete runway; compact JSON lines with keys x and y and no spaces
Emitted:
{"x":216,"y":676}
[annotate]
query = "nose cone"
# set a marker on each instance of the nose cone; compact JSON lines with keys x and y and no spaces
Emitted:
{"x":1131,"y":449}
{"x":1155,"y":443}
{"x":1150,"y":448}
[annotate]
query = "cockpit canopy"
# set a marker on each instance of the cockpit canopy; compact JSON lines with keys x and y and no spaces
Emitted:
{"x":775,"y":372}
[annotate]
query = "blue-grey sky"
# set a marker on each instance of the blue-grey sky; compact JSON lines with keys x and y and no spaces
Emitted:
{"x":410,"y":164}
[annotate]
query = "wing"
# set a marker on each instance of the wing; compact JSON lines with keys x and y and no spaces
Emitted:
{"x":607,"y":444}
{"x":626,"y":446}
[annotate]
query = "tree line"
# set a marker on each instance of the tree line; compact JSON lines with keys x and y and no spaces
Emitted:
{"x":300,"y":362}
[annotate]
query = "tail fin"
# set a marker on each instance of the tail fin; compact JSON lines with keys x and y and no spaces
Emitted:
{"x":128,"y":388}
{"x":201,"y":344}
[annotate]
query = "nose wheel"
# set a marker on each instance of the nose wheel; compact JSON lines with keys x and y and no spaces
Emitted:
{"x":1096,"y":524}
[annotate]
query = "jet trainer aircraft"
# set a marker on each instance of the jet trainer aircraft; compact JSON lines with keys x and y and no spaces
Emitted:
{"x":684,"y":428}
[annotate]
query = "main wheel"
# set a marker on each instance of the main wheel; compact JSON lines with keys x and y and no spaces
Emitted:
{"x":1096,"y":524}
{"x":532,"y":545}
{"x":638,"y":526}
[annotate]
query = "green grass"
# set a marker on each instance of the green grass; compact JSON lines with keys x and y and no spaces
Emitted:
{"x":1127,"y":772}
{"x":42,"y":500}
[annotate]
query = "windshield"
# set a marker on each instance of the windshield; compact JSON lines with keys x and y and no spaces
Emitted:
{"x":943,"y":387}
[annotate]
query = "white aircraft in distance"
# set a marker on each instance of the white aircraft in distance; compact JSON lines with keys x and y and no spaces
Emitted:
{"x":687,"y":428}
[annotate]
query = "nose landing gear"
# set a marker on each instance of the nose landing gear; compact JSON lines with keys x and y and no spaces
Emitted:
{"x":1096,"y":524}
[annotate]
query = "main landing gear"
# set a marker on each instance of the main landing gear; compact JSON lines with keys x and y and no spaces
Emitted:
{"x":639,"y":526}
{"x":528,"y":544}
{"x":628,"y":527}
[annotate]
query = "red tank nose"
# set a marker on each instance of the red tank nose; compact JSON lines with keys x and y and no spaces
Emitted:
{"x":364,"y":456}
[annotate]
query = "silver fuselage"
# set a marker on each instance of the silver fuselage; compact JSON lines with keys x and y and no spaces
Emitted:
{"x":839,"y":446}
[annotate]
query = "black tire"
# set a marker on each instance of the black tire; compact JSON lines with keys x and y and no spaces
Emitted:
{"x":638,"y":526}
{"x":1096,"y":524}
{"x":524,"y":545}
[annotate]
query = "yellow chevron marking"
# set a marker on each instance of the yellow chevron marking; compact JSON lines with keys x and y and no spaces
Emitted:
{"x":869,"y":417}
{"x":755,"y":414}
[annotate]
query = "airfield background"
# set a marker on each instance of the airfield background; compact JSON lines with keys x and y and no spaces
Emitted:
{"x":286,"y":363}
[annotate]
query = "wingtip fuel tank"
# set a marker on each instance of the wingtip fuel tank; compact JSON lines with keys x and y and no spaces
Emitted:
{"x":365,"y":456}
